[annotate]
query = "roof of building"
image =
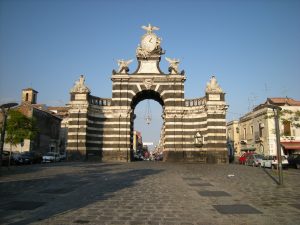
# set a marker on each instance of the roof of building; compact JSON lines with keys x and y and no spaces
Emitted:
{"x":277,"y":101}
{"x":283,"y":101}
{"x":40,"y":107}
{"x":30,"y":89}
{"x":61,"y":111}
{"x":59,"y":108}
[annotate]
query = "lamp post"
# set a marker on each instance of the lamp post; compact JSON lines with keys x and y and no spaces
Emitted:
{"x":5,"y":113}
{"x":276,"y":110}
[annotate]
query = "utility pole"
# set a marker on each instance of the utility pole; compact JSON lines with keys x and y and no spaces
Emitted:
{"x":276,"y":110}
{"x":279,"y":159}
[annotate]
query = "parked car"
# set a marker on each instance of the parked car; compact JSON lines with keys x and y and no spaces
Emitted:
{"x":31,"y":157}
{"x":243,"y":157}
{"x":37,"y":157}
{"x":294,"y":161}
{"x":5,"y":158}
{"x":159,"y":157}
{"x":254,"y":160}
{"x":272,"y":162}
{"x":17,"y":158}
{"x":51,"y":157}
{"x":63,"y":156}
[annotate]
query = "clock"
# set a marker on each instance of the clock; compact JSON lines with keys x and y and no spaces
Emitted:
{"x":149,"y":42}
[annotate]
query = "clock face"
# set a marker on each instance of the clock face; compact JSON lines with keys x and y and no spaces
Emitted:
{"x":149,"y":42}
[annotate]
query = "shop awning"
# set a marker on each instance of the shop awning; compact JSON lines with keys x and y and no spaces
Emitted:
{"x":291,"y":145}
{"x":248,"y":149}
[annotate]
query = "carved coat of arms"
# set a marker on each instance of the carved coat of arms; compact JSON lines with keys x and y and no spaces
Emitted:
{"x":148,"y":83}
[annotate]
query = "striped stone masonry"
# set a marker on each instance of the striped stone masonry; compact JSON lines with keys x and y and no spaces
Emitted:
{"x":102,"y":128}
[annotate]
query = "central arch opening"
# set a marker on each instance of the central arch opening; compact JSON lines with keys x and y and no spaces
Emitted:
{"x":147,"y":126}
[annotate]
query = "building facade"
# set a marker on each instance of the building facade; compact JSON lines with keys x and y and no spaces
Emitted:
{"x":194,"y":129}
{"x":63,"y":113}
{"x":137,"y":145}
{"x":48,"y":125}
{"x":255,"y":131}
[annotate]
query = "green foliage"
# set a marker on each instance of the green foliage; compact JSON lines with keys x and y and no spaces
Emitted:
{"x":19,"y":127}
{"x":296,"y":119}
{"x":288,"y":116}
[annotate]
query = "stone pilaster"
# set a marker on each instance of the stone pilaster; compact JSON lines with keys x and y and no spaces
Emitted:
{"x":78,"y":120}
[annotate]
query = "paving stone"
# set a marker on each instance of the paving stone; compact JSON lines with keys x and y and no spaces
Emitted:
{"x":213,"y":193}
{"x":57,"y":191}
{"x":297,"y":206}
{"x":236,"y":209}
{"x":81,"y":221}
{"x":201,"y":185}
{"x":23,"y":205}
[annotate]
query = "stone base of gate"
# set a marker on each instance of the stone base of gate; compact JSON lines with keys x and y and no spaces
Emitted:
{"x":214,"y":157}
{"x":74,"y":155}
{"x":115,"y":156}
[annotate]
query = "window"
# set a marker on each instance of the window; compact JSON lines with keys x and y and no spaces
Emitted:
{"x":34,"y":99}
{"x":252,"y":130}
{"x":245,"y":133}
{"x":287,"y":128}
{"x":26,"y":97}
{"x":229,"y":133}
{"x":261,"y":129}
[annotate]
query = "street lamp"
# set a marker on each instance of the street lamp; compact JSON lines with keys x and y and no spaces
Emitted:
{"x":4,"y":113}
{"x":276,"y":110}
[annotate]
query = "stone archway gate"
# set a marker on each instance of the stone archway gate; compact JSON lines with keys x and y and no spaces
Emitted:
{"x":193,"y":129}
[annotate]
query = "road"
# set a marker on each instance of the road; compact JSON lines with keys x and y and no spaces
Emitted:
{"x":147,"y":193}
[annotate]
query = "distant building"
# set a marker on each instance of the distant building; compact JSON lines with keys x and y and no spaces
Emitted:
{"x":255,"y":131}
{"x":47,"y":138}
{"x":233,"y":139}
{"x":137,"y":142}
{"x":63,"y":113}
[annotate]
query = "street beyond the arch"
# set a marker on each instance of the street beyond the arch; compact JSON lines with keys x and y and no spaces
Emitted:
{"x":147,"y":193}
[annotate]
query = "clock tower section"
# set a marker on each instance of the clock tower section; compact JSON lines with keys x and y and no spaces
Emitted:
{"x":149,"y":52}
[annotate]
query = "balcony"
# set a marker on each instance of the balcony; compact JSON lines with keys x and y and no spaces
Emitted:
{"x":243,"y":142}
{"x":288,"y":138}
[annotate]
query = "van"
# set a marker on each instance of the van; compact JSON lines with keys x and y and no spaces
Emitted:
{"x":272,"y":162}
{"x":51,"y":157}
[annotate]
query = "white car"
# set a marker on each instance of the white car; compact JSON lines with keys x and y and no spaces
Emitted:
{"x":51,"y":157}
{"x":272,"y":162}
{"x":254,"y":160}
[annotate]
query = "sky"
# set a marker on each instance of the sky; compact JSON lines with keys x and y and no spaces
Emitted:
{"x":251,"y":46}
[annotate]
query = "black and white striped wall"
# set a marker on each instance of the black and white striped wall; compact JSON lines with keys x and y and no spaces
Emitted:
{"x":194,"y":129}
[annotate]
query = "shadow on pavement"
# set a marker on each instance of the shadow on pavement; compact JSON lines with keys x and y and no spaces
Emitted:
{"x":23,"y":169}
{"x":270,"y":175}
{"x":19,"y":169}
{"x":64,"y":192}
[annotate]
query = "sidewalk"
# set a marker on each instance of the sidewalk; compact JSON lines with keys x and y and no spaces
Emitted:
{"x":147,"y":193}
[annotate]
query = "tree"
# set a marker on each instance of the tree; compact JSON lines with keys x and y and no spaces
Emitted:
{"x":19,"y":127}
{"x":289,"y":119}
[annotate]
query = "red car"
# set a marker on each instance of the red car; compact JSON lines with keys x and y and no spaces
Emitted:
{"x":243,"y":157}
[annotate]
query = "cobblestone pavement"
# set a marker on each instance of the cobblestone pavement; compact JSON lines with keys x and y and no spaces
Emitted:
{"x":147,"y":193}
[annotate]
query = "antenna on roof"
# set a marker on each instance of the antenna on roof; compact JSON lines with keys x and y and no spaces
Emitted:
{"x":251,"y":101}
{"x":266,"y":90}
